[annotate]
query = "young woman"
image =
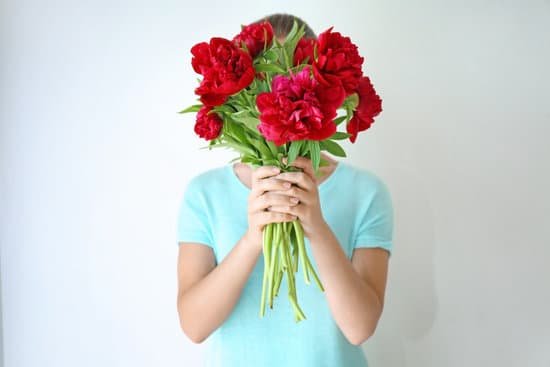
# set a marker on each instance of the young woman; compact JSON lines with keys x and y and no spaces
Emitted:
{"x":347,"y":217}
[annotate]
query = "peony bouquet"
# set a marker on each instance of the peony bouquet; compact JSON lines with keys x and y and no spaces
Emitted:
{"x":272,"y":101}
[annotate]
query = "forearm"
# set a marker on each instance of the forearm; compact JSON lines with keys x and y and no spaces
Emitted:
{"x":206,"y":304}
{"x":354,"y":304}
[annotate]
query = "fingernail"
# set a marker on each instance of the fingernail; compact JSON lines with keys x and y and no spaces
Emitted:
{"x":287,"y":184}
{"x":294,"y":200}
{"x":275,"y":169}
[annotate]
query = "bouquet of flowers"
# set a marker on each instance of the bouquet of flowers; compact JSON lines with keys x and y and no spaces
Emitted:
{"x":272,"y":101}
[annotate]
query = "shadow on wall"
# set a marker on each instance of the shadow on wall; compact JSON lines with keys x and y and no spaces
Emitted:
{"x":411,"y":304}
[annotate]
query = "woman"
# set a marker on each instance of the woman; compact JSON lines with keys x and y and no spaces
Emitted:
{"x":347,"y":218}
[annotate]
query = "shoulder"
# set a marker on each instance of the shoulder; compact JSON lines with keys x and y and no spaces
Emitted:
{"x":208,"y":180}
{"x":364,"y":179}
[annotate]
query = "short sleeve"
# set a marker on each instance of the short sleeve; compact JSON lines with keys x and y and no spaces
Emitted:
{"x":375,"y":226}
{"x":193,"y":224}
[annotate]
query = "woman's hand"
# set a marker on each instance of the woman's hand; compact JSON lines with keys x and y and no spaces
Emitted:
{"x":266,"y":193}
{"x":308,"y":207}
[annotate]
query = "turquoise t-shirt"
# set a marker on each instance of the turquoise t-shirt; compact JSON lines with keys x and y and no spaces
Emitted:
{"x":358,"y":208}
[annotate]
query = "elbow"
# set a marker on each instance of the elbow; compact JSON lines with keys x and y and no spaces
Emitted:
{"x":192,"y":334}
{"x":190,"y":328}
{"x":359,"y":335}
{"x":364,"y":329}
{"x":359,"y":338}
{"x":197,"y":339}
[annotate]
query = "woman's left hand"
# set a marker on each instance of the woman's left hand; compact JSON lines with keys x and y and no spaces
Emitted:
{"x":304,"y":188}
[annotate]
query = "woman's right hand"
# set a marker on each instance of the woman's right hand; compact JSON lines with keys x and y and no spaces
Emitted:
{"x":261,"y":197}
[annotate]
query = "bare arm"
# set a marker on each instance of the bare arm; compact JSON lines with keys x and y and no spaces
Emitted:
{"x":354,"y":289}
{"x":212,"y":291}
{"x":208,"y":290}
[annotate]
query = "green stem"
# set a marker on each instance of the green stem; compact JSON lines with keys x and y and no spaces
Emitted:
{"x":284,"y":261}
{"x":278,"y":282}
{"x":298,"y":313}
{"x":283,"y":248}
{"x":292,"y":236}
{"x":315,"y":277}
{"x":302,"y":254}
{"x":274,"y":261}
{"x":267,"y":236}
{"x":281,"y":265}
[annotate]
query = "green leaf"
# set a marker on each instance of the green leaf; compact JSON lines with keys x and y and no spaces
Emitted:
{"x":352,"y":100}
{"x":223,"y":108}
{"x":214,"y":143}
{"x":333,"y":148}
{"x":272,"y":68}
{"x":250,"y":159}
{"x":210,"y":147}
{"x":337,"y":121}
{"x":265,"y":39}
{"x":349,"y":112}
{"x":263,"y":86}
{"x":276,"y":42}
{"x":247,"y":119}
{"x":227,"y":131}
{"x":231,"y":142}
{"x":286,"y":57}
{"x":270,"y":162}
{"x":237,"y":131}
{"x":291,"y":41}
{"x":293,"y":32}
{"x":324,"y":163}
{"x":294,"y":150}
{"x":259,"y":144}
{"x":247,"y":97}
{"x":340,"y":135}
{"x":272,"y":147}
{"x":315,"y":152}
{"x":271,"y":55}
{"x":193,"y":108}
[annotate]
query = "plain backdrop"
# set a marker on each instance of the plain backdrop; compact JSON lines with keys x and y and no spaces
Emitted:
{"x":94,"y":160}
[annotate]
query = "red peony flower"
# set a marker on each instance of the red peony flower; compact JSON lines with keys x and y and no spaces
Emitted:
{"x":304,"y":48}
{"x":255,"y":36}
{"x":226,"y":69}
{"x":298,"y":107}
{"x":337,"y":60}
{"x":208,"y":125}
{"x":370,"y":105}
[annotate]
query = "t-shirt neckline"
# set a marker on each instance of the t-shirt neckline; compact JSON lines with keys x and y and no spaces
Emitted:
{"x":321,"y":187}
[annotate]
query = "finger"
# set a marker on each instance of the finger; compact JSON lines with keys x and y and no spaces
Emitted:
{"x":272,"y":198}
{"x":275,"y":217}
{"x":301,"y":179}
{"x":264,"y":171}
{"x":305,"y":164}
{"x":268,"y":184}
{"x":296,"y":192}
{"x":295,"y":210}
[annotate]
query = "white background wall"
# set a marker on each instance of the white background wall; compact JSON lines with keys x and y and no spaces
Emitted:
{"x":94,"y":159}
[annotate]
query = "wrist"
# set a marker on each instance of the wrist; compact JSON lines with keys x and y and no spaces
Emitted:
{"x":322,"y":232}
{"x":253,"y":239}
